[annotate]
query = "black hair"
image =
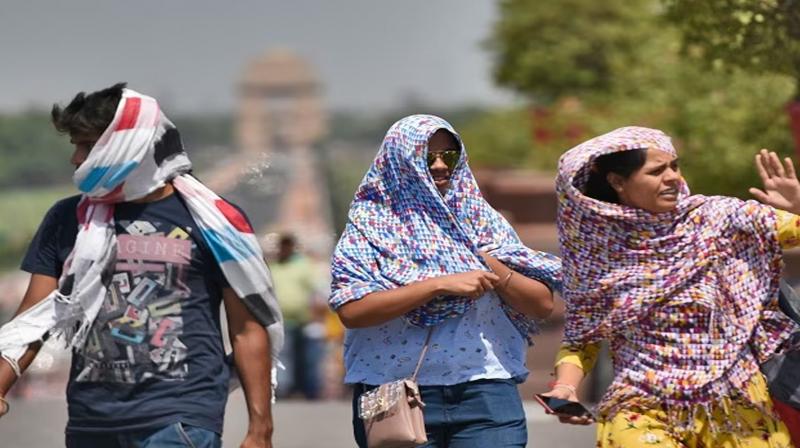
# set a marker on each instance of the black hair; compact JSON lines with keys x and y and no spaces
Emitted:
{"x":453,"y":136}
{"x":287,"y":239}
{"x":88,"y":114}
{"x":623,"y":163}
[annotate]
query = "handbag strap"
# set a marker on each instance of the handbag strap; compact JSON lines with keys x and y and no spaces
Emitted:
{"x":422,"y":355}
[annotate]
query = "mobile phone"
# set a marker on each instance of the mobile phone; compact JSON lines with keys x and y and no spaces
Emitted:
{"x":563,"y":407}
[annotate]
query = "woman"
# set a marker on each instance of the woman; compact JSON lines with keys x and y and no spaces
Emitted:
{"x":422,"y":249}
{"x":683,"y":287}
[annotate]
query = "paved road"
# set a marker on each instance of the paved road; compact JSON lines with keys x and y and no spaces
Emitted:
{"x":40,"y":424}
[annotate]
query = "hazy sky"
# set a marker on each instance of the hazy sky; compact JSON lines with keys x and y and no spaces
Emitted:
{"x":189,"y":53}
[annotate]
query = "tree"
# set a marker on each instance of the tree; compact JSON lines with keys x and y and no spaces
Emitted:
{"x":756,"y":35}
{"x":33,"y":153}
{"x":718,"y":117}
{"x":759,"y":36}
{"x":549,"y":49}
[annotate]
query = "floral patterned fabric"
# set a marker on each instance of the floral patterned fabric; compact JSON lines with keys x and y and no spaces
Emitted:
{"x":638,"y":427}
{"x":687,"y":298}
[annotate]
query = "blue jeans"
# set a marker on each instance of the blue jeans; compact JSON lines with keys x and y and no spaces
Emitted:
{"x":176,"y":435}
{"x":476,"y":414}
{"x":302,"y":356}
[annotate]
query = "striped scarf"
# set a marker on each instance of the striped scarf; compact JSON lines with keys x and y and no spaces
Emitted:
{"x":402,"y":230}
{"x":137,"y":154}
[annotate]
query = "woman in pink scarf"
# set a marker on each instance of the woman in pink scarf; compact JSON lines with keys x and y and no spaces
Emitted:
{"x":684,"y":287}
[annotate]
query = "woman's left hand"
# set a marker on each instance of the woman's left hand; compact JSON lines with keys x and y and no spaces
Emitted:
{"x":781,"y":186}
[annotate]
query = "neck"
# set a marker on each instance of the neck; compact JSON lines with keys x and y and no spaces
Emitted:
{"x":160,"y":193}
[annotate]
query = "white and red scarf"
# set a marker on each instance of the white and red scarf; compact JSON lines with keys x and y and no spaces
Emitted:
{"x":138,"y":153}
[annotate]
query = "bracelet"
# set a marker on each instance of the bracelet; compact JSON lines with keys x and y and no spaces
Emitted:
{"x":569,"y":387}
{"x":7,"y":406}
{"x":507,"y":279}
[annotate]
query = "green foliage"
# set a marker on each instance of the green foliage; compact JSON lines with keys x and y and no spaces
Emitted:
{"x":548,"y":49}
{"x":757,"y":35}
{"x":24,"y":210}
{"x":498,"y":139}
{"x":718,"y":118}
{"x":33,"y":153}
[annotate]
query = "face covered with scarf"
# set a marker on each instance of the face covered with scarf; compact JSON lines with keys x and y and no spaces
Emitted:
{"x":626,"y":266}
{"x":407,"y":224}
{"x":137,"y":154}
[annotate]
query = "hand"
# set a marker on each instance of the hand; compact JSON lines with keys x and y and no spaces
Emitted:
{"x":252,"y":441}
{"x":486,"y":257}
{"x":566,"y":394}
{"x":781,"y":187}
{"x":472,"y":284}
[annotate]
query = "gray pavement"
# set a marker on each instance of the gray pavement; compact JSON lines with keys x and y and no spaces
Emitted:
{"x":40,"y":423}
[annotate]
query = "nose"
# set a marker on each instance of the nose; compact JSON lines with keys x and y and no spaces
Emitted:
{"x":672,"y":175}
{"x":438,"y":163}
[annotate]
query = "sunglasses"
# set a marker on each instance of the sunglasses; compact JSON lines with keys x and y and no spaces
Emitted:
{"x":449,"y":157}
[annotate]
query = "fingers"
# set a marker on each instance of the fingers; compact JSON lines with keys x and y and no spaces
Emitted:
{"x":572,"y":420}
{"x":759,"y":195}
{"x":769,"y":166}
{"x":491,"y":276}
{"x":776,"y":165}
{"x":761,"y":166}
{"x":790,"y":168}
{"x":477,"y":291}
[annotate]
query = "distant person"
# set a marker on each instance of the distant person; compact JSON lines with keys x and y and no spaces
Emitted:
{"x":297,"y":286}
{"x":131,"y":274}
{"x":424,"y":255}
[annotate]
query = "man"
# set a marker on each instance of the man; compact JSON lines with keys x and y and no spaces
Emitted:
{"x":297,"y":284}
{"x":131,"y":274}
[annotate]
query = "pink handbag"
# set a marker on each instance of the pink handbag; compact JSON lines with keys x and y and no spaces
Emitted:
{"x":392,"y":412}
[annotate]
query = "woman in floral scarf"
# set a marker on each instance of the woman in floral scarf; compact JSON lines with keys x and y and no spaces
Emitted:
{"x":684,"y":287}
{"x":425,"y":258}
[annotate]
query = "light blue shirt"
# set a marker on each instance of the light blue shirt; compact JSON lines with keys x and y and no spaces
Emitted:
{"x":480,"y":344}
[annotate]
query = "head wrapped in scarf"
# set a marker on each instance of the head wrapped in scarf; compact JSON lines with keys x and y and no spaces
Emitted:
{"x":622,"y":263}
{"x":402,"y":230}
{"x":136,"y":155}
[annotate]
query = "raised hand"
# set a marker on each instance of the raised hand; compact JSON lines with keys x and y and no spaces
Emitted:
{"x":781,"y":186}
{"x":472,"y":284}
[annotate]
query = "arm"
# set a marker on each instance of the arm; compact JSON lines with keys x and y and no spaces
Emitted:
{"x":382,"y":306}
{"x":39,"y":287}
{"x":528,"y":296}
{"x":788,"y":229}
{"x":251,"y":354}
{"x":572,"y":365}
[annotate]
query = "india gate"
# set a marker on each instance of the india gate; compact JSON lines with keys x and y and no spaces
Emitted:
{"x":275,"y":173}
